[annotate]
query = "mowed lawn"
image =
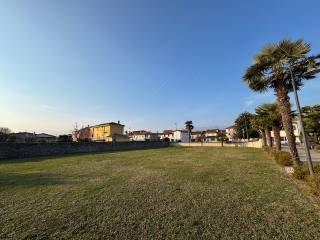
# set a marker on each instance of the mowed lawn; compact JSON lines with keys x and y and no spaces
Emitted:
{"x":169,"y":193}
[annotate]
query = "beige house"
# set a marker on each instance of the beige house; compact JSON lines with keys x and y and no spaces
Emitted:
{"x":211,"y":135}
{"x":143,"y":135}
{"x":196,"y":136}
{"x":231,"y":132}
{"x":296,"y":130}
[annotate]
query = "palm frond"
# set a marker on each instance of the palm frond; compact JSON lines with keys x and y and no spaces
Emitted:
{"x":293,"y":50}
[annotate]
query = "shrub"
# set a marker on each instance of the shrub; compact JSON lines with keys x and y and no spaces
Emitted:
{"x":314,"y":183}
{"x":316,"y":168}
{"x":283,"y":158}
{"x":300,"y":172}
{"x":166,"y":139}
{"x":64,"y":138}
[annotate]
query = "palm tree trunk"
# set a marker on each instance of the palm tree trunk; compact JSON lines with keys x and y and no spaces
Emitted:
{"x":283,"y":102}
{"x":268,"y":137}
{"x":277,"y":138}
{"x":263,"y":136}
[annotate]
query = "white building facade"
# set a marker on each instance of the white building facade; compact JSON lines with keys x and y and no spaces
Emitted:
{"x":231,"y":133}
{"x":181,"y":136}
{"x":167,"y":134}
{"x":283,"y":136}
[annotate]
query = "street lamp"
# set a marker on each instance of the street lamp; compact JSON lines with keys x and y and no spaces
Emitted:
{"x":304,"y":136}
{"x":242,"y":133}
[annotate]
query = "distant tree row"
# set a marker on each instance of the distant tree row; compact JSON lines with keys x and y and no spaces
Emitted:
{"x":267,"y":118}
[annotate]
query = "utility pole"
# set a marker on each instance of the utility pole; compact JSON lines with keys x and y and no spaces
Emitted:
{"x":304,"y":136}
{"x":245,"y":122}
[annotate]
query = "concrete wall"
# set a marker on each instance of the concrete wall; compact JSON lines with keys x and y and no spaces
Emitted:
{"x":256,"y":144}
{"x":22,"y":150}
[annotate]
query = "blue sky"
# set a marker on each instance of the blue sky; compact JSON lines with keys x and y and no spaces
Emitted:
{"x":149,"y":64}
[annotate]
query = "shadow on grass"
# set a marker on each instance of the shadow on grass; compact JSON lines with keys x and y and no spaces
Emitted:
{"x":28,"y":180}
{"x":44,"y":158}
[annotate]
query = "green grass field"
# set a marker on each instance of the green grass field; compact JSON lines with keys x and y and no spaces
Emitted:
{"x":169,"y":193}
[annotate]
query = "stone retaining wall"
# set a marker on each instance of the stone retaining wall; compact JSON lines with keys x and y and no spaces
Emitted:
{"x":23,"y":150}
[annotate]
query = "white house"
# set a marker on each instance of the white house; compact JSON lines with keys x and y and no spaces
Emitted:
{"x":181,"y":136}
{"x":167,"y":134}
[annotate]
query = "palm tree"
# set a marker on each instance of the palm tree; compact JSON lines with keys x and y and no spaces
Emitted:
{"x":189,"y":127}
{"x":271,"y":113}
{"x":202,"y":137}
{"x":270,"y":70}
{"x":259,"y":123}
{"x":222,"y":137}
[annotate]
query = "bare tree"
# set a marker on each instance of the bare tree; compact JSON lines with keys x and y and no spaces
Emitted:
{"x":4,"y":130}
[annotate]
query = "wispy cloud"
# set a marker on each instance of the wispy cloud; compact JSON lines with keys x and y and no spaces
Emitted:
{"x":157,"y":90}
{"x":255,"y":99}
{"x":45,"y":108}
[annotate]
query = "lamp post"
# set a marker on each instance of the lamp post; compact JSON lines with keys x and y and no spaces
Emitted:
{"x":242,"y":133}
{"x":304,"y":136}
{"x":245,"y":122}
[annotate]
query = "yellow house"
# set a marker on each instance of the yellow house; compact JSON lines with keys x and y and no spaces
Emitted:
{"x":108,"y":132}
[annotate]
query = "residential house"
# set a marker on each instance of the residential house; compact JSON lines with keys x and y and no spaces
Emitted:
{"x":108,"y":132}
{"x":296,"y":131}
{"x":211,"y":135}
{"x":143,"y":135}
{"x":167,"y":134}
{"x":180,"y":136}
{"x":231,"y":133}
{"x":44,"y":137}
{"x":82,"y":135}
{"x":23,"y":137}
{"x":196,"y":136}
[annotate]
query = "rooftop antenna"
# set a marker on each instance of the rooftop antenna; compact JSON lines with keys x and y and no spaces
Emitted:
{"x":76,"y":127}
